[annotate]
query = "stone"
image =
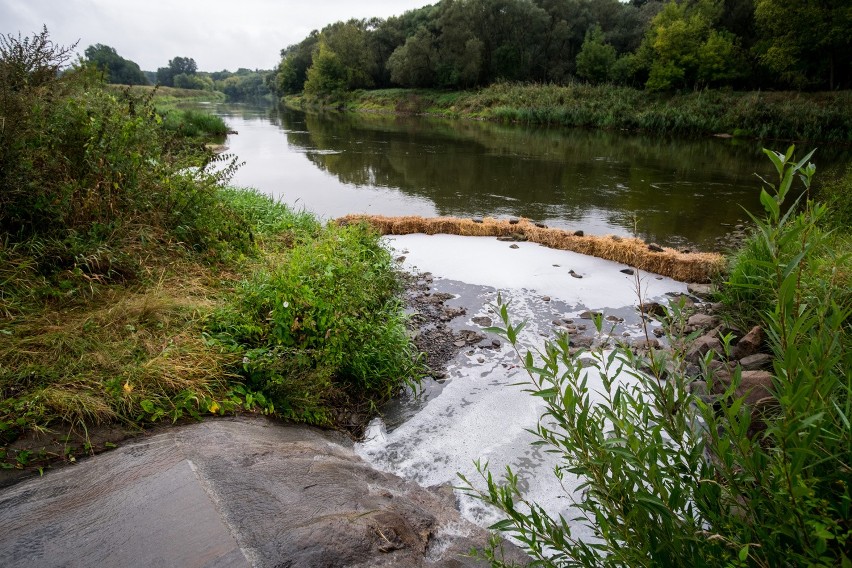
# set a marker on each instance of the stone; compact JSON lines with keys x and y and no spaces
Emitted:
{"x":233,"y":492}
{"x":514,"y":246}
{"x":646,"y":344}
{"x":700,"y":290}
{"x":400,"y":259}
{"x":654,"y":309}
{"x":627,"y":271}
{"x":574,"y":274}
{"x":514,"y":220}
{"x":702,"y":346}
{"x":756,"y":362}
{"x":749,"y":344}
{"x":587,"y":315}
{"x":755,"y":386}
{"x":579,"y":234}
{"x":658,"y":332}
{"x":703,"y":321}
{"x":460,"y":343}
{"x":614,"y":319}
{"x":583,"y":341}
{"x":477,"y":219}
{"x":495,"y":343}
{"x":480,"y":359}
{"x":545,"y":298}
{"x":654,"y":247}
{"x":541,"y":225}
{"x":483,"y":321}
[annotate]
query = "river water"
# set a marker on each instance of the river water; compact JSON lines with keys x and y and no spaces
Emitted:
{"x":672,"y":191}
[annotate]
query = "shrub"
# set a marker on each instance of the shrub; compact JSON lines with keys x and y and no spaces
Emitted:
{"x":322,"y":328}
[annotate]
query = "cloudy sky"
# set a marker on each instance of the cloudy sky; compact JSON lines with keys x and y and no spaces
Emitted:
{"x":217,"y":34}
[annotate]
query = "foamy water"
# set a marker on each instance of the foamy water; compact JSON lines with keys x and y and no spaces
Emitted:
{"x":483,"y":414}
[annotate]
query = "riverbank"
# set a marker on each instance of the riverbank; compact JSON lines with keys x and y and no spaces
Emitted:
{"x":763,"y":115}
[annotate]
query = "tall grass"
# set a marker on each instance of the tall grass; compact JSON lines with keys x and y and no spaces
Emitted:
{"x":765,"y":115}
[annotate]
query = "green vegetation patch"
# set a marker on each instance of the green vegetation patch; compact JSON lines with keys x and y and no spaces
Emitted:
{"x":137,"y":287}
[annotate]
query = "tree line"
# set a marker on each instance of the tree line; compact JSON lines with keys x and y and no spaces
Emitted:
{"x":181,"y":72}
{"x":658,"y":45}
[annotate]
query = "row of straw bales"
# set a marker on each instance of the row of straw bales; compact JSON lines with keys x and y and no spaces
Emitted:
{"x":686,"y":267}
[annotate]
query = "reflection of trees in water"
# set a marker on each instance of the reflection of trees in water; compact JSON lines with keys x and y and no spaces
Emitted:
{"x":659,"y":187}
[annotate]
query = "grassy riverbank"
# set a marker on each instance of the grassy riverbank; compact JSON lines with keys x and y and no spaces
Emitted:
{"x":137,"y":287}
{"x":764,"y":115}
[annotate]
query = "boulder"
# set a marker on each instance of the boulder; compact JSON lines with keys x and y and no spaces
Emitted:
{"x":755,"y":386}
{"x":749,"y":344}
{"x":703,"y":321}
{"x":702,"y":346}
{"x":756,"y":362}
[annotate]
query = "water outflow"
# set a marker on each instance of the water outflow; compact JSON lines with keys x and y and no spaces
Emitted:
{"x":483,"y":413}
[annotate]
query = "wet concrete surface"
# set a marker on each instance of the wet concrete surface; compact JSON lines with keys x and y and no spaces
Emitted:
{"x":232,"y":492}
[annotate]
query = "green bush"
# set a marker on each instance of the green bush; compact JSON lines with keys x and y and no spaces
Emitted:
{"x":673,"y":478}
{"x":86,"y":169}
{"x":323,"y":328}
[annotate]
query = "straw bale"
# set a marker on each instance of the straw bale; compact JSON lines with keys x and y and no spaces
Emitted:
{"x":686,"y":267}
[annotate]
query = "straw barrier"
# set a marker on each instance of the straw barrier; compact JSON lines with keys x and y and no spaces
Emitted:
{"x":686,"y":267}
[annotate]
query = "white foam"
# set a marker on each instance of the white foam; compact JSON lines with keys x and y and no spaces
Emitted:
{"x":482,"y":414}
{"x":488,"y":262}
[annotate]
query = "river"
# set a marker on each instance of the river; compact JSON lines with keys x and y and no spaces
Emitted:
{"x":678,"y":192}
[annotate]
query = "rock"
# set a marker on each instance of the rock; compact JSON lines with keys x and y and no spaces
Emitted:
{"x":484,"y":321}
{"x":495,"y":343}
{"x":579,"y":234}
{"x":556,"y":266}
{"x":587,"y":315}
{"x":557,"y":323}
{"x":701,"y":290}
{"x":654,"y":247}
{"x":480,"y":359}
{"x":749,"y":344}
{"x":646,"y":344}
{"x":460,"y":343}
{"x":233,"y":492}
{"x":586,"y":362}
{"x":400,"y":259}
{"x":574,"y":274}
{"x":653,"y":309}
{"x":541,"y":225}
{"x":627,"y":271}
{"x":514,"y":220}
{"x":567,"y":321}
{"x":703,"y":321}
{"x":658,"y":332}
{"x":614,"y":319}
{"x":698,"y":388}
{"x":545,"y":298}
{"x":702,"y":345}
{"x":514,"y":246}
{"x":477,"y":219}
{"x":583,"y":341}
{"x":616,"y":238}
{"x":755,"y":386}
{"x":756,"y":362}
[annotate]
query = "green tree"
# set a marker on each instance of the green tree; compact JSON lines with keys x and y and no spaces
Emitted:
{"x":296,"y":59}
{"x":808,"y":44}
{"x":413,"y":64}
{"x":327,"y":75}
{"x":177,"y":66}
{"x":682,"y":48}
{"x":596,"y":58}
{"x":117,"y":69}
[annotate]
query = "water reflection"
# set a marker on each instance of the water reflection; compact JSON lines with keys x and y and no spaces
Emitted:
{"x":673,"y":191}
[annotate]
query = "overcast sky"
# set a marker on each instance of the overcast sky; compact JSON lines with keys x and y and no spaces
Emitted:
{"x":217,"y":34}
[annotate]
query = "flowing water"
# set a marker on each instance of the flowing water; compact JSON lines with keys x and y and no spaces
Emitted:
{"x":672,"y":191}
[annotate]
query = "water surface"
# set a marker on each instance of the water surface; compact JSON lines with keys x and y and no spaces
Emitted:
{"x":673,"y":191}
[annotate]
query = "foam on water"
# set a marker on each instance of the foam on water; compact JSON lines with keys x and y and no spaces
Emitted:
{"x":482,"y":413}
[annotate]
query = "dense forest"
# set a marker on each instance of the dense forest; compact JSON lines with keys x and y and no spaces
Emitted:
{"x":654,"y":44}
